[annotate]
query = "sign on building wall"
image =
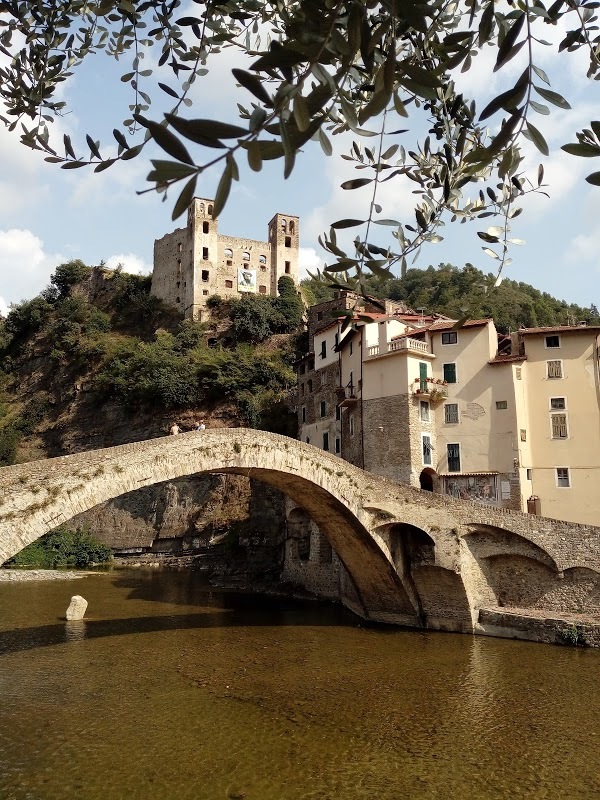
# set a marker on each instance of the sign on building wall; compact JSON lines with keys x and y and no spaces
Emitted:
{"x":246,"y":280}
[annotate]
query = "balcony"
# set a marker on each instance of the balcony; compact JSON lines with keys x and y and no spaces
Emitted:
{"x":346,"y":396}
{"x":396,"y":345}
{"x":433,"y":389}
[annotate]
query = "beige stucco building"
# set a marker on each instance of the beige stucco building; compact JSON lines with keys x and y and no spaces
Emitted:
{"x":195,"y":262}
{"x":512,"y":422}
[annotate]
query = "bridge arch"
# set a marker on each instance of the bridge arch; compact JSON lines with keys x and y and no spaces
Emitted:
{"x":39,"y":496}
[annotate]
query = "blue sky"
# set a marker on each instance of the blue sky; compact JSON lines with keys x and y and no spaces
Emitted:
{"x":49,"y":215}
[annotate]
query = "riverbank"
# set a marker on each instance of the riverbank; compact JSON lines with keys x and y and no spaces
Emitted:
{"x":17,"y":575}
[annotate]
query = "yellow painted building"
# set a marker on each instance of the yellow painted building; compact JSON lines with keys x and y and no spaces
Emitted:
{"x":512,"y":422}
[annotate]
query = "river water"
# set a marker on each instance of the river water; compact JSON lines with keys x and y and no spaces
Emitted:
{"x":170,"y":690}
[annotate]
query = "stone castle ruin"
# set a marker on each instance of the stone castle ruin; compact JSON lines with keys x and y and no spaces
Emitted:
{"x":195,"y":262}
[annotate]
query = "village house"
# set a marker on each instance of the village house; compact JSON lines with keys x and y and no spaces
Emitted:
{"x":512,"y":422}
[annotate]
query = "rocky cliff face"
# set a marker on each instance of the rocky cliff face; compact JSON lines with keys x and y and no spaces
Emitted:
{"x":226,"y":524}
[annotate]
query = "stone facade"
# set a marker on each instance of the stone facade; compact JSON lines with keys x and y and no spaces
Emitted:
{"x":409,"y":557}
{"x":195,"y":262}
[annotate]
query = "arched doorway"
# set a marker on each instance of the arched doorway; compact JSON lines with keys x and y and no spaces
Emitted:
{"x":426,"y":480}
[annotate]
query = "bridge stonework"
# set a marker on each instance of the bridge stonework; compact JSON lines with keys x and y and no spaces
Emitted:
{"x":414,"y":558}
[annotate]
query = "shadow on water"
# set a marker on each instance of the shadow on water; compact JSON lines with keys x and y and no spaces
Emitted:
{"x":219,"y":609}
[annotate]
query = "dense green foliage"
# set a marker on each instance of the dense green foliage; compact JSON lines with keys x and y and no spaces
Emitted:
{"x":129,"y":348}
{"x":469,"y":292}
{"x":63,"y":548}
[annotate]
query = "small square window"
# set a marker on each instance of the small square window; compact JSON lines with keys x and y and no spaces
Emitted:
{"x":528,"y":474}
{"x":552,"y":341}
{"x":450,"y":338}
{"x":262,"y":289}
{"x":501,"y":405}
{"x":450,"y":373}
{"x":523,"y":435}
{"x":563,"y":479}
{"x":554,"y":369}
{"x":204,"y":292}
{"x":229,"y":262}
{"x":205,"y":275}
{"x":229,"y":284}
{"x":450,"y":413}
{"x":559,"y":426}
{"x":205,"y":253}
{"x":558,"y":403}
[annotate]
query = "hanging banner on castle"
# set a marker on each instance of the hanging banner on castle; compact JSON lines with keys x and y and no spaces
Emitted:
{"x":246,"y":280}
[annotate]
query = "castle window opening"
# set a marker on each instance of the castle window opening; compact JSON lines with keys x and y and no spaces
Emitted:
{"x":204,"y":292}
{"x":291,"y":226}
{"x":262,"y":289}
{"x":263,"y":268}
{"x":177,"y":300}
{"x":205,"y":227}
{"x":205,"y":275}
{"x":178,"y":284}
{"x":228,"y":252}
{"x":262,"y":259}
{"x":205,"y":253}
{"x":179,"y":247}
{"x":338,"y":446}
{"x":246,"y":256}
{"x":229,"y":284}
{"x":201,"y":208}
{"x":288,"y":268}
{"x":229,"y":262}
{"x":210,"y":210}
{"x":288,"y":241}
{"x":326,"y":441}
{"x":283,"y":225}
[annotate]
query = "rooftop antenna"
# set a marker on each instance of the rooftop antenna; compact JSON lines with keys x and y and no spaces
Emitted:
{"x":421,"y":315}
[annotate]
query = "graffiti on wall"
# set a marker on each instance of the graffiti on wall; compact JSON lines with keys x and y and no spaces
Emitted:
{"x":482,"y":488}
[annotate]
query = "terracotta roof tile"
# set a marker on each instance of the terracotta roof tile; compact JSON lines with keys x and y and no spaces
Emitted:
{"x":442,"y":325}
{"x":506,"y":359}
{"x":560,"y":329}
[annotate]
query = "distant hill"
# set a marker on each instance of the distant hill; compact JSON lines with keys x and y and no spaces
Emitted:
{"x":469,"y":292}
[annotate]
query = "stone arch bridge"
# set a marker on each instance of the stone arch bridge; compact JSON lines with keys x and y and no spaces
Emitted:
{"x":412,"y":557}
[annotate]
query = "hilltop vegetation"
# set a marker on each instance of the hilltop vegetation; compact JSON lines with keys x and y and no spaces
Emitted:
{"x":469,"y":292}
{"x":102,"y":334}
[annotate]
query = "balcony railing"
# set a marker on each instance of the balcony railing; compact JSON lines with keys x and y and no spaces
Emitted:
{"x":346,"y":395}
{"x":399,"y":344}
{"x":430,"y":388}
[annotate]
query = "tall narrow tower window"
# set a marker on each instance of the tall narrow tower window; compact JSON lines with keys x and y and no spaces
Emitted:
{"x":291,"y":226}
{"x":288,"y":241}
{"x":205,"y":227}
{"x":288,"y":268}
{"x":205,"y":253}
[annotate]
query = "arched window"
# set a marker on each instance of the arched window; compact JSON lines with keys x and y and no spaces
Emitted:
{"x":246,"y":256}
{"x":291,"y":226}
{"x":228,"y":252}
{"x":201,"y":208}
{"x":262,"y":259}
{"x":284,"y":225}
{"x":210,"y":209}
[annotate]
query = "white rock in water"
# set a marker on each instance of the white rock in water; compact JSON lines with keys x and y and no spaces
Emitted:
{"x":77,"y":608}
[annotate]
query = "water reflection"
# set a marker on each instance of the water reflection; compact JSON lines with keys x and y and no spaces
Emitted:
{"x":170,"y":689}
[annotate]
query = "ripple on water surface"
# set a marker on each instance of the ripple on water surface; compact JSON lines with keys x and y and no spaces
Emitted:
{"x":169,"y":690}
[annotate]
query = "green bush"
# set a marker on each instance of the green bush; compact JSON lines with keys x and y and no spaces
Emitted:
{"x":67,"y":275}
{"x":27,"y":318}
{"x":63,"y":548}
{"x":9,"y":441}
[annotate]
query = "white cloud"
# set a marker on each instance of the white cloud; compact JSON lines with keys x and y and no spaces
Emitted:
{"x":130,"y":262}
{"x":25,"y":267}
{"x":3,"y":307}
{"x":308,"y":260}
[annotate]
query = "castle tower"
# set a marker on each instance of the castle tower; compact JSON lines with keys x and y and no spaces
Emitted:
{"x":284,"y":237}
{"x":195,"y":262}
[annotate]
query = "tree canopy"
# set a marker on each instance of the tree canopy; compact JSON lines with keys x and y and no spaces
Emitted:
{"x":383,"y":71}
